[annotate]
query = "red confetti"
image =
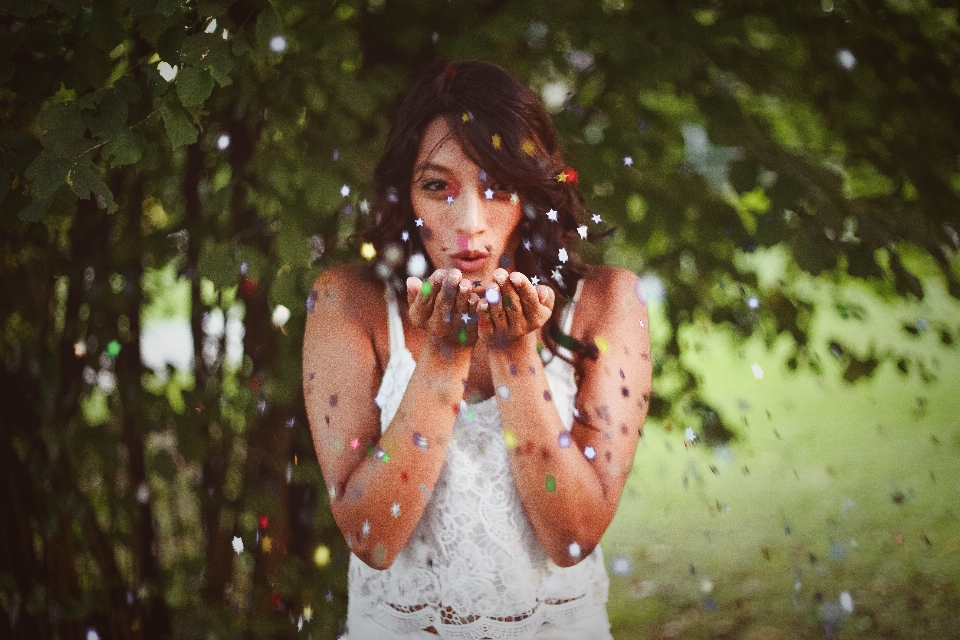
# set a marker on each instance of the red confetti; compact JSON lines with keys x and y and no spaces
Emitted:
{"x":571,"y":175}
{"x":403,"y":476}
{"x":264,"y":522}
{"x":275,"y":600}
{"x":248,"y":286}
{"x":255,"y":383}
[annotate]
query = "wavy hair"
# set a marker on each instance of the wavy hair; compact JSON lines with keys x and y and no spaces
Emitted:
{"x":480,"y":103}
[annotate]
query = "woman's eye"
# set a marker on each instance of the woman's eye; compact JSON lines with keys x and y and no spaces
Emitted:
{"x":500,"y":187}
{"x":434,"y":185}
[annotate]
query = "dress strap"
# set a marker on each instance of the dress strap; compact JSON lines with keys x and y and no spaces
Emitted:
{"x":394,"y":323}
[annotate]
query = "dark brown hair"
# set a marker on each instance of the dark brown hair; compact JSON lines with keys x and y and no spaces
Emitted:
{"x":478,"y":101}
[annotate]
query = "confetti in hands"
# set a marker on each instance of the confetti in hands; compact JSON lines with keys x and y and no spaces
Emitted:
{"x":439,"y":305}
{"x":522,"y":308}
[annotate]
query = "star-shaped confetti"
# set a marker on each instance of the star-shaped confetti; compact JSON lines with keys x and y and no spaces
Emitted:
{"x":557,"y":277}
{"x":465,"y":117}
{"x":514,"y":198}
{"x":344,"y":191}
{"x":496,"y":141}
{"x":690,"y":435}
{"x":552,"y":215}
{"x":449,"y":199}
{"x":405,"y":235}
{"x":419,"y":222}
{"x":465,"y":317}
{"x":596,"y":218}
{"x":488,"y":194}
{"x":526,"y":244}
{"x":527,"y":147}
{"x":534,"y":280}
{"x":582,"y":230}
{"x":643,"y":325}
{"x":354,"y":443}
{"x":395,"y":510}
{"x":237,"y":545}
{"x":562,"y":176}
{"x":589,"y":453}
{"x":628,"y":161}
{"x":562,"y":254}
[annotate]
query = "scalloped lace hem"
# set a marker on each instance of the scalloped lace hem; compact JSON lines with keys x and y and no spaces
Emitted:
{"x":415,"y":620}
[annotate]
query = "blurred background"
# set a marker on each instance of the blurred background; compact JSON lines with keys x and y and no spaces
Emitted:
{"x":784,"y":177}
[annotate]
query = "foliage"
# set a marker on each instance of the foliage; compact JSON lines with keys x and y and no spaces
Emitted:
{"x":700,"y":131}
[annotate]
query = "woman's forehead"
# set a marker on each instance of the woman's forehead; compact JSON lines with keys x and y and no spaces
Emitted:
{"x":438,"y":146}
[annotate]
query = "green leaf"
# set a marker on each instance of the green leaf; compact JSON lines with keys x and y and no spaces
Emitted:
{"x":18,"y":150}
{"x":211,"y":52}
{"x":46,"y":173}
{"x":125,"y":147}
{"x":112,"y":116}
{"x":193,"y":86}
{"x":85,"y":179}
{"x":218,"y":263}
{"x":34,"y":211}
{"x":64,"y":128}
{"x":180,"y":130}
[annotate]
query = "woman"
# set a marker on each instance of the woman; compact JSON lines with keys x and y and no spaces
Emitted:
{"x":472,"y":476}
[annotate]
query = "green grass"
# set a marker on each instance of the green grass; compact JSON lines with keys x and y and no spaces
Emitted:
{"x":829,"y":487}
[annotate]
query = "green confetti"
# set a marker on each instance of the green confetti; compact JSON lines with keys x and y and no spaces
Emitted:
{"x":386,"y":457}
{"x":551,"y":484}
{"x":113,"y":348}
{"x":463,"y":336}
{"x":337,"y":443}
{"x":426,"y":288}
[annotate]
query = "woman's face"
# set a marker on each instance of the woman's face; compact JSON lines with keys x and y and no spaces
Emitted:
{"x":469,"y":223}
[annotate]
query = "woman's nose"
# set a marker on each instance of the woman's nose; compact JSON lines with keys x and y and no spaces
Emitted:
{"x":468,"y":209}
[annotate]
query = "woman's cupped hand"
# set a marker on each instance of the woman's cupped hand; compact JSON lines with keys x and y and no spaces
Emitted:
{"x":460,"y":313}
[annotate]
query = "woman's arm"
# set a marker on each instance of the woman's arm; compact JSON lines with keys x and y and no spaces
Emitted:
{"x":379,"y":484}
{"x":570,"y":493}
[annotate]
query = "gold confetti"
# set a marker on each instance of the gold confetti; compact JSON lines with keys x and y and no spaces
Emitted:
{"x":496,"y":141}
{"x":321,"y":557}
{"x":267,"y":544}
{"x":602,"y":344}
{"x":510,"y":439}
{"x":527,"y":147}
{"x":367,"y":251}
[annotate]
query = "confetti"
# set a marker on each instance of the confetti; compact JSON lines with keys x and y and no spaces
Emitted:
{"x":278,"y":44}
{"x":510,"y":439}
{"x":496,"y":141}
{"x":280,"y":316}
{"x":534,"y":280}
{"x":492,"y":295}
{"x":563,"y":440}
{"x":514,"y":198}
{"x":419,"y":222}
{"x":237,"y":545}
{"x":267,"y":544}
{"x":620,"y":566}
{"x":419,"y":441}
{"x":562,"y":254}
{"x":503,"y":391}
{"x":552,"y":215}
{"x":757,"y":371}
{"x":307,"y":613}
{"x":527,"y":147}
{"x":345,"y":191}
{"x":589,"y":453}
{"x":526,"y":244}
{"x":263,"y":521}
{"x":465,"y":117}
{"x":550,"y":484}
{"x":846,"y":601}
{"x":582,"y":230}
{"x":602,"y":344}
{"x":417,"y":265}
{"x":405,"y":235}
{"x":426,"y":288}
{"x":395,"y":510}
{"x":627,"y":161}
{"x":449,"y":199}
{"x":596,"y":218}
{"x":574,"y":550}
{"x":365,"y":529}
{"x":690,"y":435}
{"x":488,"y":194}
{"x":367,"y":251}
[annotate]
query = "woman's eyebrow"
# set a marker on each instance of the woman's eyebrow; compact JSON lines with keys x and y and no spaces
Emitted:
{"x":429,"y":166}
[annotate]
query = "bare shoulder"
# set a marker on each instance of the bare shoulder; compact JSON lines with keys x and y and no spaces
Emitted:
{"x":348,"y":285}
{"x":607,"y":292}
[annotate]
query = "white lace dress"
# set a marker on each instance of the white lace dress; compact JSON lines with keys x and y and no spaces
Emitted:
{"x":473,"y":567}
